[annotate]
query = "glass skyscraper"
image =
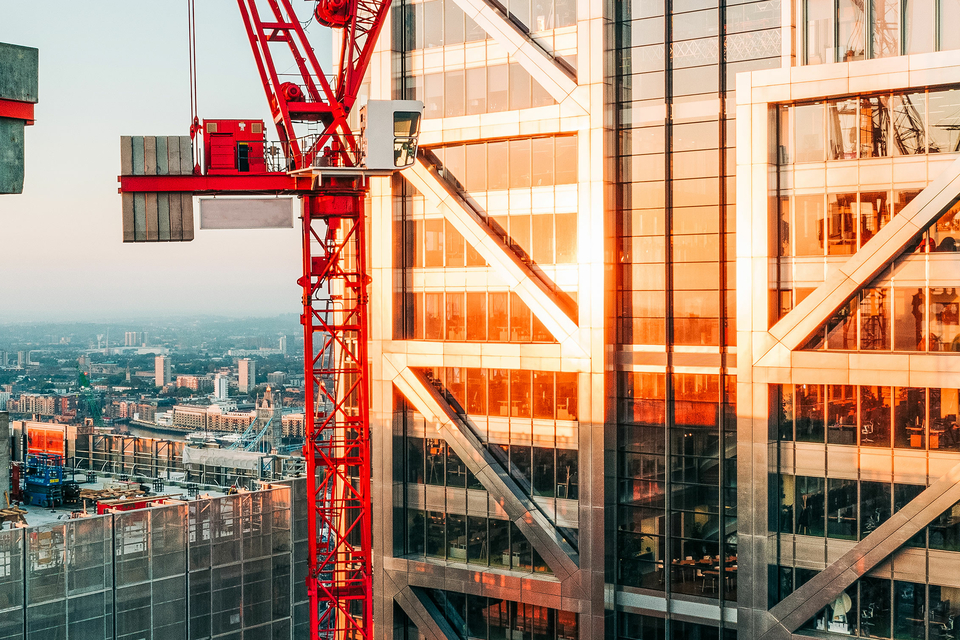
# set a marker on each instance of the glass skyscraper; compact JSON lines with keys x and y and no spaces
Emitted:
{"x":648,"y":359}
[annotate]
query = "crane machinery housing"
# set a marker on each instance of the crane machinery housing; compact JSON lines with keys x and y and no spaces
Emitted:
{"x":322,"y":161}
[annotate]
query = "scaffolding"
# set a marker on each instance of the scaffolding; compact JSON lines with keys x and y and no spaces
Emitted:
{"x":205,"y":568}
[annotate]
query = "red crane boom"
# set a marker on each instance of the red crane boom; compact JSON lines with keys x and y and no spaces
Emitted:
{"x":322,"y":169}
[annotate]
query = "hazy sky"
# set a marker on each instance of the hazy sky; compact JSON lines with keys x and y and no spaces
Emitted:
{"x":112,"y":68}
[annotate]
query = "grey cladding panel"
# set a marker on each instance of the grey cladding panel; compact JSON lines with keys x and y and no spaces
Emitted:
{"x":11,"y":155}
{"x":157,"y":217}
{"x":19,"y":73}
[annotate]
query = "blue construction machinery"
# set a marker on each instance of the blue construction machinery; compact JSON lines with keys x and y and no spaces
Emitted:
{"x":43,"y":481}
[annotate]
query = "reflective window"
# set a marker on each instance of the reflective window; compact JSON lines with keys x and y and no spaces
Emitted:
{"x":851,"y":31}
{"x":919,"y":35}
{"x":875,"y":405}
{"x":810,"y":503}
{"x":819,"y":31}
{"x":885,"y":33}
{"x":842,"y":509}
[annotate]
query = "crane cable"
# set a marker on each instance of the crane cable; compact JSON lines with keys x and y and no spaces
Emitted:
{"x":192,"y":54}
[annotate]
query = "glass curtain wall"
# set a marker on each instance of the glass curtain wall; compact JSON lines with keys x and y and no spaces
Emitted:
{"x":849,"y":30}
{"x":676,"y":476}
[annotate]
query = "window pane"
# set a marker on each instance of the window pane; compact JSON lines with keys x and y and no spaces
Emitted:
{"x":433,"y":318}
{"x":566,"y":160}
{"x":909,"y":600}
{"x":842,"y":119}
{"x":542,"y":252}
{"x":909,"y":417}
{"x":918,"y":34}
{"x":415,"y":532}
{"x":841,"y":414}
{"x":842,"y":227}
{"x":498,"y":166}
{"x":433,"y":242}
{"x":842,"y":509}
{"x":566,"y":236}
{"x":566,"y":396}
{"x":810,"y":502}
{"x":909,"y":124}
{"x":850,"y":27}
{"x":432,"y":24}
{"x":819,"y":31}
{"x":453,"y":94}
{"x":519,"y":87}
{"x":544,"y":481}
{"x":456,"y":320}
{"x":943,"y":420}
{"x":498,"y":386}
{"x":476,"y":96}
{"x":498,"y":88}
{"x":949,"y":19}
{"x":810,"y":407}
{"x":567,"y":474}
{"x":909,"y":311}
{"x":519,"y":319}
{"x":499,"y":317}
{"x":477,"y":554}
{"x":499,"y":532}
{"x":453,"y":242}
{"x":875,"y":613}
{"x":433,"y":95}
{"x":886,"y":28}
{"x":477,"y":392}
{"x":452,"y":23}
{"x":874,"y":320}
{"x":476,"y":316}
{"x":520,"y":394}
{"x":435,"y":460}
{"x":874,"y":125}
{"x":808,"y":225}
{"x":809,"y":132}
{"x":543,"y":398}
{"x":875,"y":416}
{"x":874,"y":214}
{"x":842,"y":328}
{"x":436,"y":534}
{"x":944,"y":109}
{"x":519,"y":163}
{"x":944,"y":319}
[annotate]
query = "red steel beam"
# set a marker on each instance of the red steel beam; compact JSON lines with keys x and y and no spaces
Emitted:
{"x":17,"y":110}
{"x":239,"y":185}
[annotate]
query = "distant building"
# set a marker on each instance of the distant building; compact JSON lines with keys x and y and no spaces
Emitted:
{"x":221,"y":387}
{"x":248,"y":375}
{"x":135,"y":339}
{"x":283,"y":345}
{"x":162,"y":371}
{"x":4,"y":397}
{"x":23,"y":359}
{"x":277,"y":377}
{"x":194,"y":383}
{"x":293,"y":425}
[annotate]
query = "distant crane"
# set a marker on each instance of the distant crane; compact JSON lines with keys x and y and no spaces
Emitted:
{"x":88,"y":405}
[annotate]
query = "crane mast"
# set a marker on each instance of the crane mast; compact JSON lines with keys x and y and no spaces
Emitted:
{"x":325,"y":169}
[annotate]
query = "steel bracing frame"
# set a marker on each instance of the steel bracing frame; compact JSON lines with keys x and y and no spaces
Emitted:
{"x":338,"y":441}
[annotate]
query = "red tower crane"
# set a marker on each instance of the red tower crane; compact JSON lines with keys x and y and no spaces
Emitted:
{"x":327,"y":170}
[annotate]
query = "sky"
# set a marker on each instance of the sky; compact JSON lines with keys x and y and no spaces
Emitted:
{"x":111,"y":68}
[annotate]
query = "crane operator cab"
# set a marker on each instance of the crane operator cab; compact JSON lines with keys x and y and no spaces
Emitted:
{"x":389,"y":132}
